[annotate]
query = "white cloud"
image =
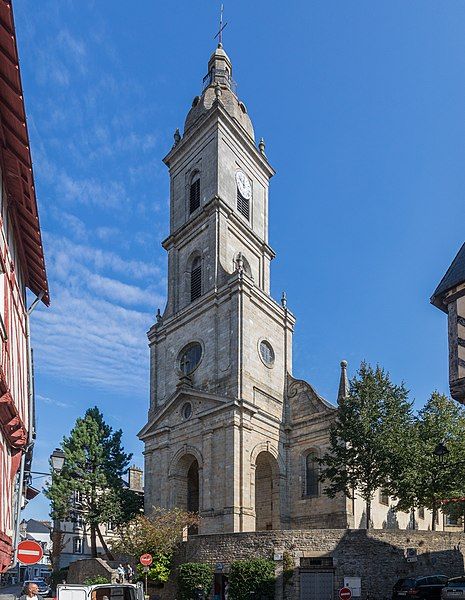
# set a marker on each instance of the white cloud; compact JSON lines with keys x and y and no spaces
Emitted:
{"x":84,"y":338}
{"x":52,"y":401}
{"x":65,"y":255}
{"x":95,"y":330}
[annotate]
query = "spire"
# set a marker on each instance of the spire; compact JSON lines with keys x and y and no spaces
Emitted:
{"x":343,"y":391}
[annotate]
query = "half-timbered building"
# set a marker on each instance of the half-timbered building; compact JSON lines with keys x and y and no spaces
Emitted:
{"x":21,"y":266}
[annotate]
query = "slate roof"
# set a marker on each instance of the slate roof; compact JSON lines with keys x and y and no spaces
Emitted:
{"x":454,"y":276}
{"x":33,"y":526}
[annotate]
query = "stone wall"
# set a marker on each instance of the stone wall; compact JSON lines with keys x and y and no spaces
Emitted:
{"x":80,"y":570}
{"x":377,"y":556}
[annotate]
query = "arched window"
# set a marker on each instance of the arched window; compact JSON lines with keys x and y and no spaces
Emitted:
{"x":311,"y":474}
{"x":194,"y":193}
{"x":196,"y":278}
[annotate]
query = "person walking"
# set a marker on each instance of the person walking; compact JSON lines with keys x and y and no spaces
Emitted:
{"x":120,"y":571}
{"x":128,"y":572}
{"x":32,"y":593}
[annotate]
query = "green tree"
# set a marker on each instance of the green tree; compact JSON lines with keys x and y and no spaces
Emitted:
{"x":422,"y":477}
{"x":157,"y":534}
{"x":370,"y":429}
{"x":252,"y":577}
{"x":195,"y":577}
{"x":95,"y":463}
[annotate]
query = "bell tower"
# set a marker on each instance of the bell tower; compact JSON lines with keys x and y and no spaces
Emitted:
{"x":221,"y":351}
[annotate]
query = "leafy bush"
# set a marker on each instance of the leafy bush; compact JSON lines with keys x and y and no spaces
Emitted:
{"x":255,"y":576}
{"x":96,"y":580}
{"x":193,"y":577}
{"x":159,"y":570}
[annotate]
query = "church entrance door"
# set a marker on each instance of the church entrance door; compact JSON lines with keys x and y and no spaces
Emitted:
{"x":266,"y":492}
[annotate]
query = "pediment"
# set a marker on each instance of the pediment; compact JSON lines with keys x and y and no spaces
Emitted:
{"x":169,"y":414}
{"x":304,"y":401}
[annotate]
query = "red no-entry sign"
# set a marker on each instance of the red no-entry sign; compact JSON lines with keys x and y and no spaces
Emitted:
{"x":345,"y":593}
{"x":29,"y":552}
{"x":146,"y":560}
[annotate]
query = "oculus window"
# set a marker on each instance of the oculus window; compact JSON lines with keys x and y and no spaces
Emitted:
{"x":267,"y":353}
{"x":190,"y":357}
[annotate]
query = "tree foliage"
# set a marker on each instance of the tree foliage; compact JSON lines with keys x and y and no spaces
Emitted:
{"x":422,"y":478}
{"x":194,"y":577}
{"x":367,"y":436}
{"x":252,"y":577}
{"x":157,"y":534}
{"x":95,"y":463}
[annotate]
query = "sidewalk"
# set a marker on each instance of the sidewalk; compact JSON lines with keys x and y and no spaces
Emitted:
{"x":10,"y":592}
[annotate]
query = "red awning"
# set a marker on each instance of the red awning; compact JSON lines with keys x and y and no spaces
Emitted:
{"x":16,"y":158}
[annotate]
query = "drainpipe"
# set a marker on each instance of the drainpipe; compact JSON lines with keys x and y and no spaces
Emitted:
{"x":31,"y":427}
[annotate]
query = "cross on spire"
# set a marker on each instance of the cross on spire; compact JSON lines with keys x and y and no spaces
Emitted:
{"x":219,"y":35}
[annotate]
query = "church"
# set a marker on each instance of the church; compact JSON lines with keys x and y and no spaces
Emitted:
{"x":231,"y":434}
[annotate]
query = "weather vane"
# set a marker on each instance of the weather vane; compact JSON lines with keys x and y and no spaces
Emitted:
{"x":219,"y":35}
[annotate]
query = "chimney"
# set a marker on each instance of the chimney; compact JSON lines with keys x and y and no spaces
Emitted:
{"x":135,"y":479}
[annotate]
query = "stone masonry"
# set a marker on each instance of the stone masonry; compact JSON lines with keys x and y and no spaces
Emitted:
{"x":378,"y":557}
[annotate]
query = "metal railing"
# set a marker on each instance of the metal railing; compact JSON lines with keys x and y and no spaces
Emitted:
{"x":222,"y":76}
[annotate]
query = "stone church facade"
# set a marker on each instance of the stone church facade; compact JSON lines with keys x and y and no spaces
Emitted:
{"x":230,"y":432}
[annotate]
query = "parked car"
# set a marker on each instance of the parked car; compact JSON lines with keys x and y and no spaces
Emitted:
{"x":44,"y":588}
{"x":455,"y":588}
{"x":423,"y":588}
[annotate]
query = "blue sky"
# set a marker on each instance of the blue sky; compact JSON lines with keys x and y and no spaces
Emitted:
{"x":361,"y":107}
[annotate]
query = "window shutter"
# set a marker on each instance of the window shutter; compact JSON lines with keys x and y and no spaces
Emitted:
{"x":194,"y":196}
{"x":243,"y":206}
{"x":196,"y":280}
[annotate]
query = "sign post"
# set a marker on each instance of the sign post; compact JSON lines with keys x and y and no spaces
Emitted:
{"x":345,"y":593}
{"x":29,"y":552}
{"x":146,"y":560}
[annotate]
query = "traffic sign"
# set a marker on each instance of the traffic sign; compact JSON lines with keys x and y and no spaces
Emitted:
{"x":29,"y":552}
{"x":345,"y":593}
{"x":146,"y":560}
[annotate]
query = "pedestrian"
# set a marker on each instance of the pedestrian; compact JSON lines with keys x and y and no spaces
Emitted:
{"x":32,"y":592}
{"x":120,"y":571}
{"x":129,"y":573}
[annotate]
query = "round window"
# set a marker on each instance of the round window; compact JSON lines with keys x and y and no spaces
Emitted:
{"x":187,"y":410}
{"x":267,"y":353}
{"x":190,"y":357}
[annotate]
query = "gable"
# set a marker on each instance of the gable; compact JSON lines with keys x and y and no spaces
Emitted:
{"x":170,"y":414}
{"x":303,"y":401}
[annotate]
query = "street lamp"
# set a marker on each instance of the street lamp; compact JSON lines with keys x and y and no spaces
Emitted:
{"x":57,"y":459}
{"x":441,"y":451}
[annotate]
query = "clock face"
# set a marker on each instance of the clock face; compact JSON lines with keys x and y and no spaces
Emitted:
{"x":243,"y":185}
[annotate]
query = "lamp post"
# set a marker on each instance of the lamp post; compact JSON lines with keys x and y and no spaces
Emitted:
{"x":57,"y":461}
{"x":439,"y":453}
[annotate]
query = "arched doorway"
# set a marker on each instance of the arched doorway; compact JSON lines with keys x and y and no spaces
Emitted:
{"x":188,"y":486}
{"x":266,"y":492}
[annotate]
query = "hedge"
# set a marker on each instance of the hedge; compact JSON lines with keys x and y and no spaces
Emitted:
{"x":193,"y":577}
{"x":253,"y":578}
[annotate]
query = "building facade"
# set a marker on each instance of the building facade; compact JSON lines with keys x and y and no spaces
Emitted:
{"x":449,"y":297}
{"x":231,"y":433}
{"x":21,"y":266}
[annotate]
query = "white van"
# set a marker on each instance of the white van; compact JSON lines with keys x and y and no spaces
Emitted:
{"x":101,"y":591}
